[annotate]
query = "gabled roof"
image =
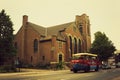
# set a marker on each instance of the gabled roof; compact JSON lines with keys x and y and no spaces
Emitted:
{"x":55,"y":29}
{"x":41,"y":30}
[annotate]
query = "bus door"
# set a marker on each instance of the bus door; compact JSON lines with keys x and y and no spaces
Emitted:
{"x":93,"y":63}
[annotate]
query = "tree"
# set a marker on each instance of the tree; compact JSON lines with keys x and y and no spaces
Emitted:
{"x":7,"y":49}
{"x":102,"y":46}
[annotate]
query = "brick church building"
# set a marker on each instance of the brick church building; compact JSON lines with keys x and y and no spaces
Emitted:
{"x":40,"y":45}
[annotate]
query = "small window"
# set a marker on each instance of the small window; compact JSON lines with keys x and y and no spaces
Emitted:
{"x":60,"y":44}
{"x":35,"y":45}
{"x":43,"y":58}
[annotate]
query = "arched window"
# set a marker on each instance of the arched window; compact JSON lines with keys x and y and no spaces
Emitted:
{"x":79,"y":46}
{"x":83,"y":46}
{"x":70,"y":44}
{"x":35,"y":45}
{"x":81,"y":29}
{"x":75,"y":45}
{"x":60,"y":57}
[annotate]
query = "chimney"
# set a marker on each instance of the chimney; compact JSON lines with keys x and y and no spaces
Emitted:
{"x":25,"y":20}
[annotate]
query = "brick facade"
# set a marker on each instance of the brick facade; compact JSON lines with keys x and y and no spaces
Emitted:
{"x":39,"y":45}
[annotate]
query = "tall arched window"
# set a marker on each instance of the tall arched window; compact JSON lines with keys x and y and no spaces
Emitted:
{"x":35,"y":45}
{"x":75,"y":45}
{"x":70,"y":44}
{"x":79,"y":46}
{"x":83,"y":46}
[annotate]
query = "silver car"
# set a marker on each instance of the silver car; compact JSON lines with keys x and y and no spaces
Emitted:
{"x":118,"y":65}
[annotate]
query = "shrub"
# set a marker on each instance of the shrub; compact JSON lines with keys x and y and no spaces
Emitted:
{"x":7,"y":68}
{"x":45,"y":66}
{"x":60,"y":65}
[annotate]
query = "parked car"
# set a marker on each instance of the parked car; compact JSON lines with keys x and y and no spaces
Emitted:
{"x":113,"y":65}
{"x":118,"y":65}
{"x":106,"y":66}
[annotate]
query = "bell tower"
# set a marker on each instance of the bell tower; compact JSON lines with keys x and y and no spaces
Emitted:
{"x":83,"y":24}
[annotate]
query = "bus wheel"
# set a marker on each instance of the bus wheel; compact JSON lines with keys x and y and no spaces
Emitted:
{"x":97,"y":68}
{"x":74,"y":70}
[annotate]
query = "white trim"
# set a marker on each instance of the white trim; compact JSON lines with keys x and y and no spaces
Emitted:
{"x":58,"y":56}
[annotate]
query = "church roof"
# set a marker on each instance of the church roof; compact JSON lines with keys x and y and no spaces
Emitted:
{"x":54,"y":30}
{"x":37,"y":28}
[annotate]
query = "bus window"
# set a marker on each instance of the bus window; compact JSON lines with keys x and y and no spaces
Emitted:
{"x":81,"y":57}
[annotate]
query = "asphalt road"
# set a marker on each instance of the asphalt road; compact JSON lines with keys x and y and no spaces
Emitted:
{"x":63,"y":75}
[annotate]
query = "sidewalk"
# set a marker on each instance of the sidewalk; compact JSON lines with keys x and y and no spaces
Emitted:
{"x":30,"y":72}
{"x":25,"y":72}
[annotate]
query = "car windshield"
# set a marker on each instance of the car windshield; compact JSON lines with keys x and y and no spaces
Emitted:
{"x":84,"y":57}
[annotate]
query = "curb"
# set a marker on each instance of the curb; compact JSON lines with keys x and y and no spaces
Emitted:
{"x":29,"y":72}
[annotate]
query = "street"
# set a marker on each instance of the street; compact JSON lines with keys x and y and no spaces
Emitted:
{"x":109,"y":74}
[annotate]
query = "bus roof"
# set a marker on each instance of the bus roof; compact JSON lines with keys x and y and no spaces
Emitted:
{"x":83,"y":54}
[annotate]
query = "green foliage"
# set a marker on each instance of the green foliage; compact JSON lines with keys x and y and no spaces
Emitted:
{"x":7,"y":68}
{"x":60,"y":65}
{"x":7,"y":49}
{"x":45,"y":66}
{"x":102,"y":46}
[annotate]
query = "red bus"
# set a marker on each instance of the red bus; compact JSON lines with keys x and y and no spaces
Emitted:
{"x":84,"y":61}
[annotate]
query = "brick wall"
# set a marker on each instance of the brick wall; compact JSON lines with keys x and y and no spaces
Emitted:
{"x":49,"y":48}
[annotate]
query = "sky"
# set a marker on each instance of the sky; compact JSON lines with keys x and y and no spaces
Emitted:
{"x":104,"y":15}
